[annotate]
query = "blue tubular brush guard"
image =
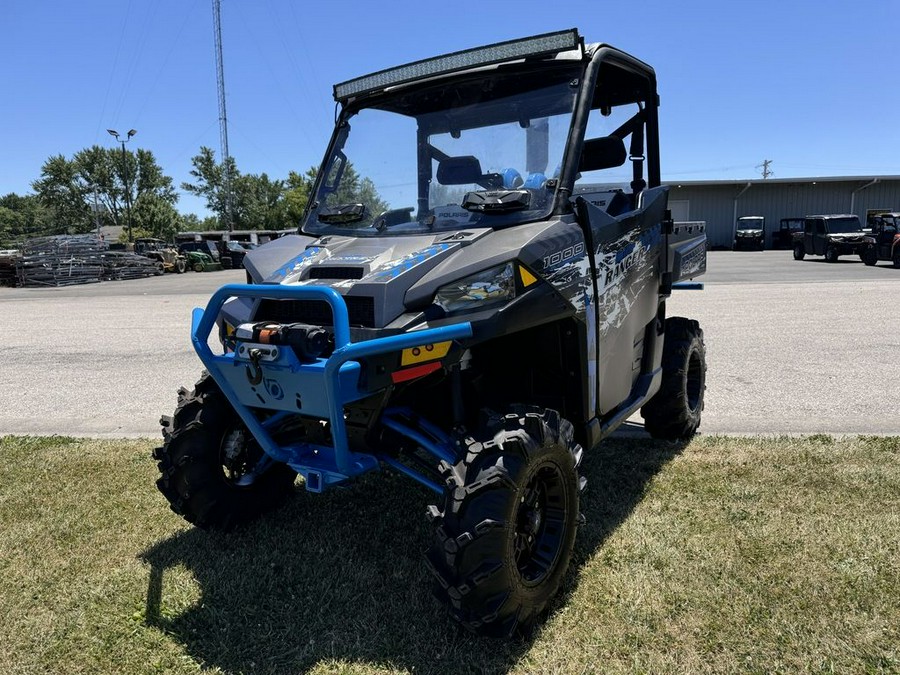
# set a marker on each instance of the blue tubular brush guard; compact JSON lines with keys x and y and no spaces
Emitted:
{"x":318,"y":389}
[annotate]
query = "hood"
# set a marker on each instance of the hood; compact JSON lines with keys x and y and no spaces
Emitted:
{"x":377,"y":269}
{"x":846,"y":236}
{"x":388,"y":281}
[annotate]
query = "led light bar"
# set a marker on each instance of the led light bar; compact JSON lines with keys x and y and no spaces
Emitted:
{"x":538,"y":45}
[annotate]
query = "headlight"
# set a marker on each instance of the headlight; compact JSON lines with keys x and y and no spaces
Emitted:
{"x":479,"y":290}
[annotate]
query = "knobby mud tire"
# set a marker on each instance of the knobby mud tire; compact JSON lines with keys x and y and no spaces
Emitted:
{"x":518,"y":479}
{"x":193,"y":475}
{"x":674,"y":412}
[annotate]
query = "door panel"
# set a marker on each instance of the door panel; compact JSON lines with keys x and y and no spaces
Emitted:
{"x":626,"y":253}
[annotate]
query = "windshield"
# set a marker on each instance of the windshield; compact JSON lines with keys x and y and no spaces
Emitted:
{"x":750,"y":223}
{"x":483,"y":153}
{"x":836,"y":225}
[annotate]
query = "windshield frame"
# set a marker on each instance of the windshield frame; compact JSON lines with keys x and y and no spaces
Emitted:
{"x":514,"y":81}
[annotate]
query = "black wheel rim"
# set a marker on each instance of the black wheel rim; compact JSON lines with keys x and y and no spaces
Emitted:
{"x":540,"y":525}
{"x":693,"y":385}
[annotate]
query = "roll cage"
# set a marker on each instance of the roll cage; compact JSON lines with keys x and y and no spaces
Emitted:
{"x":605,"y":78}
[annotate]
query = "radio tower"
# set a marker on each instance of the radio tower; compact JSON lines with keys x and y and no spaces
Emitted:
{"x":223,"y":118}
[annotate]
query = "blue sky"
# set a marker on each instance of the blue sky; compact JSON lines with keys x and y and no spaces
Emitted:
{"x":812,"y":86}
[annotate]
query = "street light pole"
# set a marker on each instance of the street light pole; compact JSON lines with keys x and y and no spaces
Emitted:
{"x":131,"y":132}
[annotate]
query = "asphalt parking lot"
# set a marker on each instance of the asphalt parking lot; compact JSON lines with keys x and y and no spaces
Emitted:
{"x":793,"y":347}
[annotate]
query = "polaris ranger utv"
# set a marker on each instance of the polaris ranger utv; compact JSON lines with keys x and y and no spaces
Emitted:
{"x":750,"y":232}
{"x":470,"y":301}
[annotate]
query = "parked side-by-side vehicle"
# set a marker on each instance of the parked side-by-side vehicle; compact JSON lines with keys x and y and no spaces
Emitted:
{"x":467,"y":304}
{"x":831,"y":236}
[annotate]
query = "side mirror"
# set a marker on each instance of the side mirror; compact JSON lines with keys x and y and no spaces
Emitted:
{"x":602,"y":153}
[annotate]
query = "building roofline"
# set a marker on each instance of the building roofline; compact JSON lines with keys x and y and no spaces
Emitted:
{"x":781,"y":181}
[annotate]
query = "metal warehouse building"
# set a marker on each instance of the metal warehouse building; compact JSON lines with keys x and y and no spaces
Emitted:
{"x":720,"y":203}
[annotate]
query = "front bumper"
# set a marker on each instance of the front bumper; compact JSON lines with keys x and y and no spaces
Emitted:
{"x":281,"y":385}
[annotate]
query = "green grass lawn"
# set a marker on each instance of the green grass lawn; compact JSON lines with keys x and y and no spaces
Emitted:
{"x":727,"y":555}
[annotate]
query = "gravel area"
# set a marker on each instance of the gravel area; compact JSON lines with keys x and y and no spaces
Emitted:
{"x":793,"y":347}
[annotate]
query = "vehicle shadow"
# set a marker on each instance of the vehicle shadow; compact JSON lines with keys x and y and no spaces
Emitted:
{"x":840,"y":261}
{"x":339,"y":578}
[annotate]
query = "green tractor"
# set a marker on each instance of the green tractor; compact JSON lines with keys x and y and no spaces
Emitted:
{"x":202,"y":262}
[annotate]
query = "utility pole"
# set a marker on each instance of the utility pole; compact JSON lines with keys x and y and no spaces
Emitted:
{"x":96,"y":213}
{"x":126,"y":185}
{"x":766,"y":172}
{"x":223,"y":118}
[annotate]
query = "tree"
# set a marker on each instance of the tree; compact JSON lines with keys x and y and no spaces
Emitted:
{"x":209,"y":182}
{"x":189,"y":222}
{"x":153,"y":214}
{"x":260,"y":203}
{"x":296,"y":195}
{"x":355,"y":189}
{"x":92,"y":186}
{"x":22,"y":217}
{"x":61,"y":189}
{"x":10,"y":222}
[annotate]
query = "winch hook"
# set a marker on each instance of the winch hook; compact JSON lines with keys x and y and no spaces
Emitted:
{"x":254,"y":370}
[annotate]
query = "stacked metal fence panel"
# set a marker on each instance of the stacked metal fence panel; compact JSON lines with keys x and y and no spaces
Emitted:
{"x":61,"y":260}
{"x":122,"y":265}
{"x":66,"y":260}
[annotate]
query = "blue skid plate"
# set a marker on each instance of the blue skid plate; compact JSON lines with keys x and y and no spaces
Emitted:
{"x":280,"y":383}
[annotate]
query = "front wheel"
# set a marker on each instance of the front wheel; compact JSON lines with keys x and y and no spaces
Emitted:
{"x":896,"y":257}
{"x":213,"y":472}
{"x":869,"y":256}
{"x":507,"y":527}
{"x":180,"y":266}
{"x":799,"y":252}
{"x":198,"y":267}
{"x":831,"y":254}
{"x":674,"y":412}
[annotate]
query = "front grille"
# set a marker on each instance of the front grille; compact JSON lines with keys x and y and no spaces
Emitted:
{"x":316,"y":312}
{"x":335,"y":272}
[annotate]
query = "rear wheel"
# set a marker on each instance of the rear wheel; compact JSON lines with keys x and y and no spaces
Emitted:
{"x":213,"y":472}
{"x":508,"y":523}
{"x":896,"y":258}
{"x":180,"y":265}
{"x":674,"y":412}
{"x":869,"y":256}
{"x":799,"y":252}
{"x":831,"y":254}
